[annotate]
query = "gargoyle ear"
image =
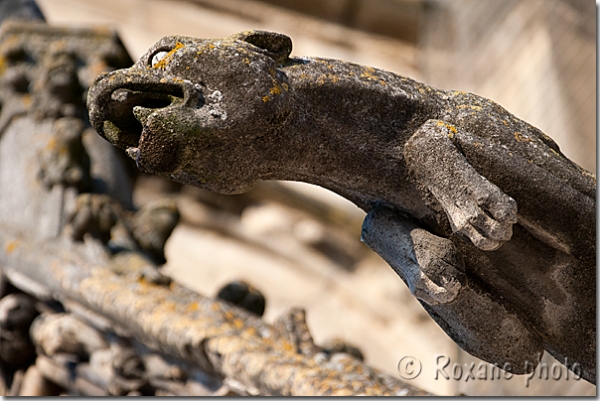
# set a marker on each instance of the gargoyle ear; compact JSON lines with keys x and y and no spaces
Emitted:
{"x":276,"y":45}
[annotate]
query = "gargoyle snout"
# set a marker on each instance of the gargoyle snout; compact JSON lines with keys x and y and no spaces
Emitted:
{"x":120,"y":102}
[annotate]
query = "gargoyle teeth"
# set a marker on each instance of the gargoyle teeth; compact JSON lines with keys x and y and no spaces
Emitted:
{"x":142,"y":113}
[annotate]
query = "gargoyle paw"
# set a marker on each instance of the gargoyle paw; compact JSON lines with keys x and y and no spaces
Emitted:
{"x":475,"y":207}
{"x":485,"y":215}
{"x":423,"y":288}
{"x":429,"y":264}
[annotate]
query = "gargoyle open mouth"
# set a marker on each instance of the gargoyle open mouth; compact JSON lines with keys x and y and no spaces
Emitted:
{"x":119,"y":102}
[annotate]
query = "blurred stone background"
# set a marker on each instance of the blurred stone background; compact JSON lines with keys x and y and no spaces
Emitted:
{"x":299,"y":244}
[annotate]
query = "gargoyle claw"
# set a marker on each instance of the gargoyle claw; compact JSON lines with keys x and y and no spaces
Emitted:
{"x":427,"y":263}
{"x":475,"y":207}
{"x":472,"y":218}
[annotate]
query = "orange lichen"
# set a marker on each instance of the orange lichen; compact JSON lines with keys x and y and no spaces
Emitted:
{"x":191,"y":307}
{"x":469,"y":106}
{"x":449,"y":127}
{"x":368,"y":73}
{"x":51,"y":144}
{"x":167,"y":58}
{"x":11,"y":246}
{"x":521,"y":138}
{"x":26,"y":99}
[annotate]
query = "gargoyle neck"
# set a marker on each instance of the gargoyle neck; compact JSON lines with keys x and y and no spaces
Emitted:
{"x":346,"y":132}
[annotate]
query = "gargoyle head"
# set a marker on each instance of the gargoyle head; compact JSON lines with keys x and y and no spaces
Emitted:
{"x":204,"y":100}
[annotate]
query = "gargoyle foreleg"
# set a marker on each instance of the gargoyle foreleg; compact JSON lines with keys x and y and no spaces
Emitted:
{"x":475,"y":207}
{"x":432,"y":269}
{"x":427,"y":263}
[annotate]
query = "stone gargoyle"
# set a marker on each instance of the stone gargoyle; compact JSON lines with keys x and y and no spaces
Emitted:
{"x":491,"y":227}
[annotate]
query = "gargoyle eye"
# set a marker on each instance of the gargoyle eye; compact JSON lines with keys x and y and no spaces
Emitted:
{"x":157,"y":57}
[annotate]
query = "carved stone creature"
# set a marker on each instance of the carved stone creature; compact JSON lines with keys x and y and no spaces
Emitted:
{"x":53,"y":246}
{"x":492,"y":228}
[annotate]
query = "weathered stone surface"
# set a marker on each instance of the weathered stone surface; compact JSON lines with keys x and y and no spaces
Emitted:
{"x":44,"y":74}
{"x":26,"y":10}
{"x":479,"y":212}
{"x":67,"y":240}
